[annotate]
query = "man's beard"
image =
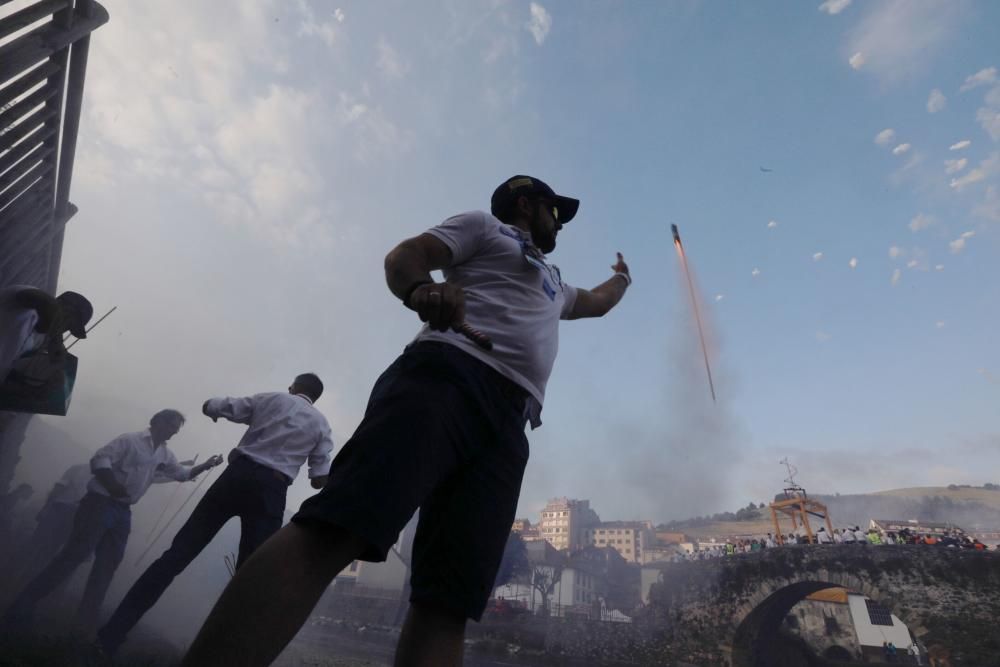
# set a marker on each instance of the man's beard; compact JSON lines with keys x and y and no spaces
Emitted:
{"x":543,"y":240}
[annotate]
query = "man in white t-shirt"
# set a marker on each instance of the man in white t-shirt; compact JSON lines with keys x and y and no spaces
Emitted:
{"x":443,"y":431}
{"x":31,"y":318}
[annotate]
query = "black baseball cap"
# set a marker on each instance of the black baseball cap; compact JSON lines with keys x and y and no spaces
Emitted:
{"x":77,"y":310}
{"x":521,"y":185}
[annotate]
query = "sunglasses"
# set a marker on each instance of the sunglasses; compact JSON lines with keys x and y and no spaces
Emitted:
{"x":552,"y":208}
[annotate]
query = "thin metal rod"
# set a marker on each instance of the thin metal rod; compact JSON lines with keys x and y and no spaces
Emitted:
{"x":113,"y":309}
{"x":166,"y":505}
{"x":204,"y":479}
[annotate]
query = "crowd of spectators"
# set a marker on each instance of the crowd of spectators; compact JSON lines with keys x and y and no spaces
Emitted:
{"x":850,"y":535}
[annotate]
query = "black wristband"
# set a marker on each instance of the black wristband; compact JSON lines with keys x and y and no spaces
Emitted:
{"x":413,"y":288}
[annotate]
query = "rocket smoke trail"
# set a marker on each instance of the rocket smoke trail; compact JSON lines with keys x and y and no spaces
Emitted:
{"x":694,"y":304}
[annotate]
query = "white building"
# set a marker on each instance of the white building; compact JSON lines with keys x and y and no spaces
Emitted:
{"x":875,"y":624}
{"x":388,"y":577}
{"x":575,"y":592}
{"x":565,"y":521}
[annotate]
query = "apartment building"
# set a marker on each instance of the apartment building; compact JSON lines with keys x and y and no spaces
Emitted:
{"x":565,"y":522}
{"x":629,"y":538}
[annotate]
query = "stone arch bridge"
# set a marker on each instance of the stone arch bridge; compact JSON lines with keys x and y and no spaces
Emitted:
{"x":727,"y":611}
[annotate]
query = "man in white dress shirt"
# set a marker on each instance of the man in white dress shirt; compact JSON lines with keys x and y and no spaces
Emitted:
{"x":285,"y":431}
{"x":124,"y":469}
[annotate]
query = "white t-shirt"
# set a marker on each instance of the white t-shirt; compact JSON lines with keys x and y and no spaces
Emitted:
{"x":511,"y":294}
{"x":17,"y":329}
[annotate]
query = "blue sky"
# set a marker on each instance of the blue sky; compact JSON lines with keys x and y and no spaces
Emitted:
{"x":239,"y":188}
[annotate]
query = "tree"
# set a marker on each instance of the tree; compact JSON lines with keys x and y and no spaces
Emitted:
{"x":544,"y":578}
{"x":514,"y":564}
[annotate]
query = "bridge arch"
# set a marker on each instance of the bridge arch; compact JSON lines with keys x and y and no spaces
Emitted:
{"x":757,"y":621}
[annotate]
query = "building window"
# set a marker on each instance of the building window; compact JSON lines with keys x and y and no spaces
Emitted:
{"x":878,"y":614}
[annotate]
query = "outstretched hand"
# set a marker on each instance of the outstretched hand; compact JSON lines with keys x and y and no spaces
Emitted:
{"x":209,"y":463}
{"x":620,"y":266}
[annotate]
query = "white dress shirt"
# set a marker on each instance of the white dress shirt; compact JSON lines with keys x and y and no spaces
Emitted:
{"x":136,"y":464}
{"x":71,"y":486}
{"x":286,"y":431}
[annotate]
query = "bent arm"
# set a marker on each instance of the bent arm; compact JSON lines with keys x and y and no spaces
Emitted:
{"x":320,"y":459}
{"x":599,"y":301}
{"x":411,"y":262}
{"x":42,"y":303}
{"x":238,"y":410}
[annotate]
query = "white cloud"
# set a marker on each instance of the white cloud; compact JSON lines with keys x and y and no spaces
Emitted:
{"x":900,"y":37}
{"x":939,"y":267}
{"x":853,"y":263}
{"x":989,"y":208}
{"x":989,"y":115}
{"x":896,"y":275}
{"x":958,"y":245}
{"x":327,"y":31}
{"x":885,"y":136}
{"x":936,"y":102}
{"x":719,"y":297}
{"x":857,"y":60}
{"x":990,"y":120}
{"x":389,"y":62}
{"x":985,"y":169}
{"x":955,"y":166}
{"x":912,"y":264}
{"x":823,"y":336}
{"x":817,"y":256}
{"x":973,"y":176}
{"x":896,"y":252}
{"x":921,"y":221}
{"x":772,"y":224}
{"x":984,"y":77}
{"x":540,"y":23}
{"x":960,"y":145}
{"x":834,"y":6}
{"x":755,"y":272}
{"x":939,"y":324}
{"x":900,"y":149}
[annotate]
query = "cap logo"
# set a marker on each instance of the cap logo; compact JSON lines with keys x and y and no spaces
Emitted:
{"x":516,"y":183}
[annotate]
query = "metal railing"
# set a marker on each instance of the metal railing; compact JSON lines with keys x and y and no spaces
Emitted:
{"x":43,"y":61}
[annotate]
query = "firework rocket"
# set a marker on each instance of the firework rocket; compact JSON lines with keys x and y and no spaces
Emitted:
{"x":694,"y":304}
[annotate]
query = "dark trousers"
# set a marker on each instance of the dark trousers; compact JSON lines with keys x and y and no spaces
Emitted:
{"x":248,"y":490}
{"x":55,"y":524}
{"x":101,"y":527}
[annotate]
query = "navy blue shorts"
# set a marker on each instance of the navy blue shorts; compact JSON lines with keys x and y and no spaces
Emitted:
{"x":442,"y":432}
